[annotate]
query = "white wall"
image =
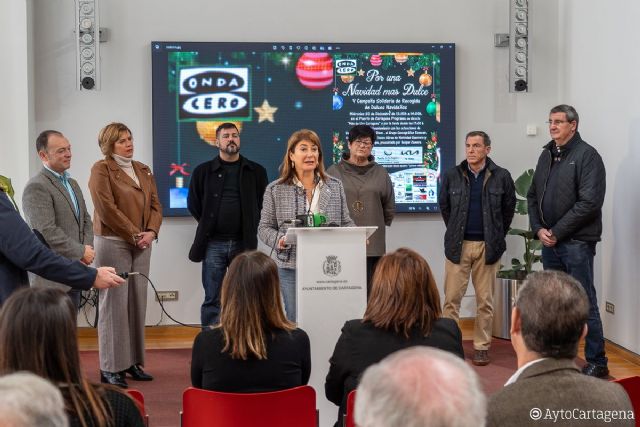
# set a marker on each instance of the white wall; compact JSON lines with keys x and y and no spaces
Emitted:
{"x":586,"y":56}
{"x":483,"y":100}
{"x":600,"y":53}
{"x":14,"y":77}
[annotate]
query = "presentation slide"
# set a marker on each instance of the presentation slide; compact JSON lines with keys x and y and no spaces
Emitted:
{"x":406,"y":92}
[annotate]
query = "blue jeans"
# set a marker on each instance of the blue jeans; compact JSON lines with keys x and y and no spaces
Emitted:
{"x":288,"y":291}
{"x":576,"y":258}
{"x":214,"y":266}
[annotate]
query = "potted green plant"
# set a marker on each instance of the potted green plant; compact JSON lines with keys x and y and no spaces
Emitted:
{"x":509,"y":281}
{"x":520,"y":268}
{"x":5,"y":185}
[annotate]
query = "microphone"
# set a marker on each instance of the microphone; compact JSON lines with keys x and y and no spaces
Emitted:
{"x":126,"y":274}
{"x":312,"y":219}
{"x":296,"y":221}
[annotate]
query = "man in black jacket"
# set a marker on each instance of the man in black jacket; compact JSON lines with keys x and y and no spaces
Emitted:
{"x":565,"y":211}
{"x":477,"y":201}
{"x":225,"y":197}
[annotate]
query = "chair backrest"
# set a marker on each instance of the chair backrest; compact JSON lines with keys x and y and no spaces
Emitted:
{"x":632,"y":387}
{"x":351,"y":401}
{"x":291,"y":407}
{"x":139,"y":399}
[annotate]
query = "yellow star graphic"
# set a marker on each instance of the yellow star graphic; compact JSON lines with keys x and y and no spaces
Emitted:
{"x":265,"y":112}
{"x":410,"y":72}
{"x":361,"y":72}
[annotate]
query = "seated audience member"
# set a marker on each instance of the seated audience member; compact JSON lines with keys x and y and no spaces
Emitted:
{"x":26,"y":400}
{"x":548,"y":321}
{"x":254,"y":348}
{"x":403,"y":311}
{"x":420,"y":387}
{"x":38,"y":334}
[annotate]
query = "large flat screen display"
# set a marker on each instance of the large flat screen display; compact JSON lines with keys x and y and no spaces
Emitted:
{"x":406,"y":92}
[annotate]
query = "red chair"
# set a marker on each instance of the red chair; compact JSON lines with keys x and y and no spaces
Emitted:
{"x":139,"y":399}
{"x":348,"y":418}
{"x":291,"y":407}
{"x":632,"y":387}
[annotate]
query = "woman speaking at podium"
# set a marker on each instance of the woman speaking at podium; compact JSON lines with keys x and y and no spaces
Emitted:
{"x":302,"y":190}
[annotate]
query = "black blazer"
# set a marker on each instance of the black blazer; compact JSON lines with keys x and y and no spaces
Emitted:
{"x":362,"y":344}
{"x":22,"y":251}
{"x":288,"y":363}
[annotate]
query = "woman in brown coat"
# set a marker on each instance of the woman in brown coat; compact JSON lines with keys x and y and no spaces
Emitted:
{"x":126,"y":221}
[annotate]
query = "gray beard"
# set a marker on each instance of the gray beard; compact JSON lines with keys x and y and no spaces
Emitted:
{"x":232,"y":149}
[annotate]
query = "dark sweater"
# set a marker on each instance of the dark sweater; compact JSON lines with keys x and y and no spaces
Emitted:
{"x":229,"y":223}
{"x":361,"y":345}
{"x":288,"y":363}
{"x":122,"y":407}
{"x":474,"y":229}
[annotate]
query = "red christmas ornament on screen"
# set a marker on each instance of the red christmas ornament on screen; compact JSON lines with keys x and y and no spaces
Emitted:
{"x":315,"y":70}
{"x":375,"y":60}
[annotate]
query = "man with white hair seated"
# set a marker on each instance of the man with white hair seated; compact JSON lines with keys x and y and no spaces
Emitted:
{"x":420,"y":387}
{"x":26,"y":400}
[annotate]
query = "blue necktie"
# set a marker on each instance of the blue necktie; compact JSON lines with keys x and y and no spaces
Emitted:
{"x":67,"y":185}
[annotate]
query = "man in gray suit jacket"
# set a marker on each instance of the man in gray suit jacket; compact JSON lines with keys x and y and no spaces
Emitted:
{"x":54,"y":206}
{"x":548,"y":321}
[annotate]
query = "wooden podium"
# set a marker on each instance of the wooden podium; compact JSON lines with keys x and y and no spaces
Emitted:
{"x":331,"y":288}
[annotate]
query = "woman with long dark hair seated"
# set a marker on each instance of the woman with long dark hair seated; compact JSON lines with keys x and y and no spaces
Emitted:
{"x":403,"y":311}
{"x":38,"y":334}
{"x":254,"y":348}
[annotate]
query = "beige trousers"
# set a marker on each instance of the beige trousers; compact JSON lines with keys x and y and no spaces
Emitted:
{"x":122,"y":310}
{"x":456,"y":280}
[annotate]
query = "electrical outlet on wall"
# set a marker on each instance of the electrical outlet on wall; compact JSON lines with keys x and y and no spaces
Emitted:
{"x":610,"y":307}
{"x":167,"y":296}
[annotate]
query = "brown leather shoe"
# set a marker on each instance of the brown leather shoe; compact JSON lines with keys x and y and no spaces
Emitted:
{"x":481,"y":358}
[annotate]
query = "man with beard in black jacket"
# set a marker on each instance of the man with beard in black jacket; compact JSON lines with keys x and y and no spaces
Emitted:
{"x":565,"y":211}
{"x":477,"y":201}
{"x":225,"y":197}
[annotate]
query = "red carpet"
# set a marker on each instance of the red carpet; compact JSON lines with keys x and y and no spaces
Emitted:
{"x":171,"y":369}
{"x":503,"y":364}
{"x":163,"y":395}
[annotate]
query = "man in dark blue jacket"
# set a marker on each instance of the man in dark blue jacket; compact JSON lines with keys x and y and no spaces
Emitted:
{"x":565,"y":210}
{"x":477,"y":201}
{"x":22,"y":251}
{"x":225,"y":197}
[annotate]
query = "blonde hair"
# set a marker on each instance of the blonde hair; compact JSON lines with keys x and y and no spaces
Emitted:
{"x":251,"y":305}
{"x":109,"y":135}
{"x":288,"y":171}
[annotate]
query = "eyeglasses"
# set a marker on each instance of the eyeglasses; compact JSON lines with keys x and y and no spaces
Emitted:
{"x":363,"y":142}
{"x":556,"y":122}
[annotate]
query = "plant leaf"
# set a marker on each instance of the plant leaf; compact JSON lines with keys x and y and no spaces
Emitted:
{"x":5,"y":185}
{"x":521,"y":207}
{"x":523,"y":183}
{"x":518,"y":232}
